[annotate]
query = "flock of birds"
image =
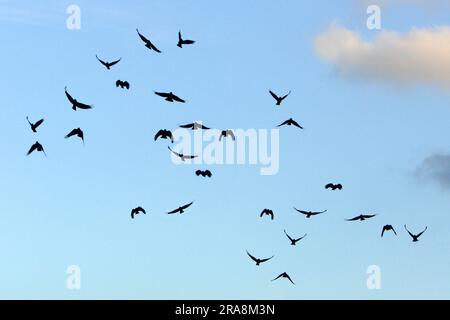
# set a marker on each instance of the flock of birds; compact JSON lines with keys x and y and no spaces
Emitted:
{"x":167,"y":134}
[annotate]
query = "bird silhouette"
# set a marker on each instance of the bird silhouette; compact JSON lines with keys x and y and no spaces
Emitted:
{"x":35,"y":125}
{"x":309,"y":214}
{"x":169,"y":96}
{"x":194,"y":126}
{"x":294,"y":241}
{"x":258,"y":261}
{"x":123,"y":84}
{"x":108,"y":65}
{"x":148,"y":43}
{"x":164,"y":134}
{"x":333,"y":186}
{"x":362,"y":217}
{"x":284,"y":275}
{"x":277,"y":98}
{"x":76,"y":132}
{"x":388,"y":227}
{"x":415,"y":237}
{"x":226,"y":133}
{"x":36,"y":147}
{"x":182,"y":156}
{"x":205,"y":173}
{"x":290,"y":122}
{"x":267,"y":212}
{"x":75,"y":103}
{"x":181,"y":41}
{"x":181,"y":209}
{"x":137,"y":211}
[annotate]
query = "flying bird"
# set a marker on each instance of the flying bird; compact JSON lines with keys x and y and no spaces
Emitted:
{"x":388,"y":227}
{"x":291,"y":122}
{"x":277,"y":98}
{"x":181,"y":41}
{"x":76,"y":132}
{"x":294,"y":241}
{"x":108,"y":65}
{"x":362,"y":217}
{"x":169,"y":96}
{"x":35,"y":125}
{"x":182,"y":156}
{"x":164,"y":134}
{"x":203,"y":173}
{"x":226,"y":133}
{"x":415,"y":236}
{"x":181,"y":209}
{"x":333,"y":186}
{"x":148,"y":43}
{"x":284,"y":275}
{"x":308,"y":214}
{"x":258,"y":261}
{"x":36,"y":147}
{"x":75,"y":103}
{"x":194,"y":126}
{"x":267,"y":212}
{"x":137,"y":211}
{"x":123,"y":84}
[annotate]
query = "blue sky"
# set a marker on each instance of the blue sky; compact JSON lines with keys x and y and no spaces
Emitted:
{"x":72,"y":208}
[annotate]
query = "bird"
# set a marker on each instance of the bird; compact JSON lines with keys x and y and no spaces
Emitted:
{"x":181,"y":41}
{"x":294,"y":241}
{"x":182,"y":156}
{"x":205,"y":173}
{"x":35,"y":125}
{"x":291,"y":122}
{"x":38,"y":147}
{"x":123,"y":84}
{"x":333,"y":186}
{"x":164,"y":134}
{"x":308,"y":214}
{"x":76,"y":132}
{"x":226,"y":133}
{"x":267,"y":212}
{"x":108,"y":65}
{"x":277,"y":98}
{"x":415,"y":237}
{"x":169,"y":96}
{"x":258,"y":261}
{"x":194,"y":126}
{"x":284,"y":275}
{"x":181,"y":209}
{"x":75,"y":103}
{"x":148,"y":43}
{"x":388,"y":227}
{"x":362,"y":217}
{"x":137,"y":211}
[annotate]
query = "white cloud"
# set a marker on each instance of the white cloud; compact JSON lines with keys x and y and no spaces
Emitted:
{"x":436,"y":168}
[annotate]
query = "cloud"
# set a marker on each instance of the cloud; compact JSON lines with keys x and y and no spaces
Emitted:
{"x":435,"y":168}
{"x":421,"y":56}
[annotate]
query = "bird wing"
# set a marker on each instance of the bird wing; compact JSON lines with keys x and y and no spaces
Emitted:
{"x":252,"y":257}
{"x":101,"y":61}
{"x":264,"y":260}
{"x":190,"y":157}
{"x":368,"y":216}
{"x":198,"y":172}
{"x":354,"y":219}
{"x":287,"y":276}
{"x":274,"y":95}
{"x":38,"y":123}
{"x":118,"y":83}
{"x":187,"y":126}
{"x":231,"y":134}
{"x":286,"y":122}
{"x":330,"y":185}
{"x":285,"y":96}
{"x":141,"y":209}
{"x":422,"y":232}
{"x":176,"y":98}
{"x":142,"y":37}
{"x":176,"y":153}
{"x":394,"y":231}
{"x":319,"y":212}
{"x":83,"y":106}
{"x":412,"y":236}
{"x":127,"y":84}
{"x":71,"y":133}
{"x":114,"y":62}
{"x":162,"y":94}
{"x":382,"y":232}
{"x":33,"y":147}
{"x":159,"y":134}
{"x":278,"y":277}
{"x":295,"y":123}
{"x":173,"y":211}
{"x":179,"y":36}
{"x":339,"y":186}
{"x":301,"y":238}
{"x":153,"y":47}
{"x":208,"y":173}
{"x":187,"y":205}
{"x":301,"y":211}
{"x":72,"y":100}
{"x":188,"y":41}
{"x":288,"y":236}
{"x":204,"y":127}
{"x":263,"y":212}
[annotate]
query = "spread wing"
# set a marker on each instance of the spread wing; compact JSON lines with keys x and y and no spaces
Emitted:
{"x":114,"y":62}
{"x":319,"y":212}
{"x":173,"y":211}
{"x":287,"y":276}
{"x":187,"y":126}
{"x":204,"y":127}
{"x":288,"y":236}
{"x":83,"y":106}
{"x":330,"y":185}
{"x":37,"y":124}
{"x":101,"y":61}
{"x":174,"y":97}
{"x":354,"y":219}
{"x":285,"y":96}
{"x":71,"y":133}
{"x":274,"y":95}
{"x":142,"y":37}
{"x":188,"y":41}
{"x":153,"y":47}
{"x":301,"y":238}
{"x":284,"y":123}
{"x":160,"y":133}
{"x":33,"y":147}
{"x":295,"y":123}
{"x":198,"y":172}
{"x":162,"y":94}
{"x":422,"y":232}
{"x":301,"y":211}
{"x":71,"y":99}
{"x":176,"y":153}
{"x":339,"y":186}
{"x":208,"y":173}
{"x":141,"y":209}
{"x":231,"y":134}
{"x":277,"y":277}
{"x":252,"y":257}
{"x":412,"y":236}
{"x":118,"y":83}
{"x":187,"y":205}
{"x":179,"y":36}
{"x":382,"y":232}
{"x":264,"y":260}
{"x":368,"y":216}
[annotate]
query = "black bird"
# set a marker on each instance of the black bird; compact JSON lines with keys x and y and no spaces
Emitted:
{"x":137,"y":211}
{"x":148,"y":43}
{"x":284,"y":275}
{"x":258,"y":261}
{"x":362,"y":217}
{"x":308,"y":214}
{"x":181,"y":41}
{"x":75,"y":103}
{"x":34,"y":126}
{"x":76,"y":132}
{"x":169,"y":96}
{"x":294,"y":241}
{"x":279,"y":99}
{"x":180,"y":210}
{"x":333,"y":186}
{"x":38,"y":147}
{"x":164,"y":134}
{"x":123,"y":84}
{"x":267,"y":212}
{"x":205,"y":173}
{"x":415,"y":237}
{"x":194,"y":126}
{"x":291,"y":122}
{"x":226,"y":133}
{"x":182,"y":156}
{"x":108,"y":65}
{"x":388,"y":227}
